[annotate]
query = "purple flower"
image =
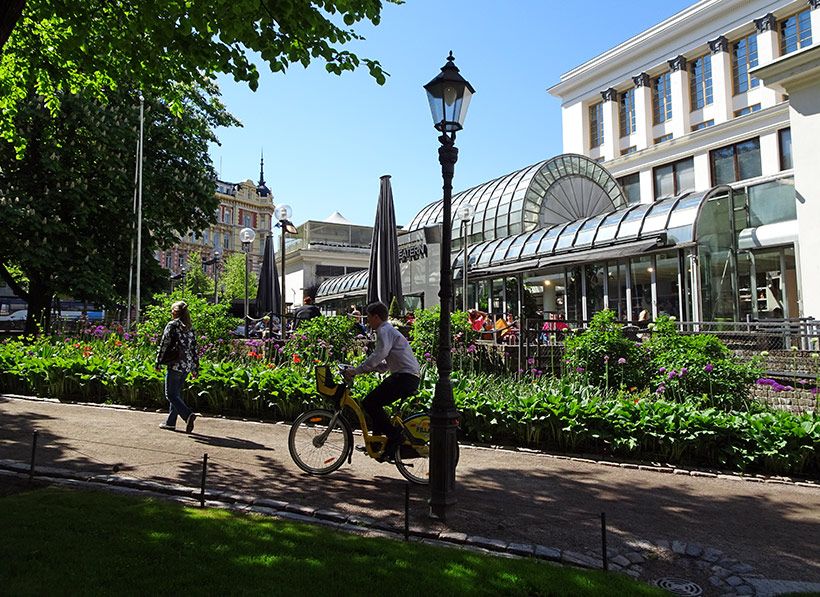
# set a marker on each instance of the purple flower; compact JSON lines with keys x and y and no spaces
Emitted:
{"x":606,"y":358}
{"x":765,"y":381}
{"x":708,"y":368}
{"x":427,"y":355}
{"x":672,"y":374}
{"x":579,"y":369}
{"x":622,"y":361}
{"x":661,"y":389}
{"x":788,"y":389}
{"x":662,"y":370}
{"x":530,"y":361}
{"x":471,"y":348}
{"x":683,"y":371}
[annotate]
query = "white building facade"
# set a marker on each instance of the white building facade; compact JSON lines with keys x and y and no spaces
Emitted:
{"x":681,"y":108}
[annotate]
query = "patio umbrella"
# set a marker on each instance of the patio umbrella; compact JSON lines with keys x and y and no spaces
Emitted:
{"x":384,"y":276}
{"x":268,"y":294}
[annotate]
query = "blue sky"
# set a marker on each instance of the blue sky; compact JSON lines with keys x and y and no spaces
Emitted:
{"x":328,"y":139}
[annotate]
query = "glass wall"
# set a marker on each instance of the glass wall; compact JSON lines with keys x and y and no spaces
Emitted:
{"x":667,"y":283}
{"x":768,"y":283}
{"x":641,"y":270}
{"x":574,"y":295}
{"x":616,"y":289}
{"x":716,"y":260}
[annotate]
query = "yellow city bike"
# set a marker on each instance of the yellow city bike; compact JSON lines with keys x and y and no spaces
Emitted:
{"x":320,"y":440}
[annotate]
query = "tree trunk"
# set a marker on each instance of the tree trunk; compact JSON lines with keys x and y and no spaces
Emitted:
{"x":39,"y":305}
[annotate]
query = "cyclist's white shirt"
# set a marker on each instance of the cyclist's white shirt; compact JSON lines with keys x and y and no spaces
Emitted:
{"x":392,"y":353}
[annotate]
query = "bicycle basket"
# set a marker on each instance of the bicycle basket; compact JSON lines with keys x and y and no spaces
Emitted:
{"x":326,"y":385}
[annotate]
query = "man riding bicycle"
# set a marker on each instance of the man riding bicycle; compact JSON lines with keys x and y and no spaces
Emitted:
{"x":393,"y":354}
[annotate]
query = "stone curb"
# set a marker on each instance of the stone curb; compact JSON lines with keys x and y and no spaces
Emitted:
{"x":586,"y":459}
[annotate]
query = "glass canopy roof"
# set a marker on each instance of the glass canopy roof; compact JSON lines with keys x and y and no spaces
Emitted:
{"x":563,"y":189}
{"x":345,"y":285}
{"x":665,"y":222}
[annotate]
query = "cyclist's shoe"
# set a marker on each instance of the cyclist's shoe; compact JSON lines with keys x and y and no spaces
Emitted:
{"x":388,"y":455}
{"x":362,"y":449}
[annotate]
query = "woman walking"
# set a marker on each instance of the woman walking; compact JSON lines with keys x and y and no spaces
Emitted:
{"x":177,"y":350}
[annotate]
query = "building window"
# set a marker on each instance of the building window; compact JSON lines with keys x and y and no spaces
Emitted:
{"x":627,"y":113}
{"x":181,"y":261}
{"x":246,"y":221}
{"x":630,"y":149}
{"x":330,"y":270}
{"x":744,"y":58}
{"x":747,"y":110}
{"x":795,"y":32}
{"x":703,"y":125}
{"x":662,"y":138}
{"x":631,"y":186}
{"x":226,"y":241}
{"x":662,"y":98}
{"x":700,"y":82}
{"x":675,"y":178}
{"x":596,"y":124}
{"x":227,"y":215}
{"x":167,"y":261}
{"x":784,"y":137}
{"x":735,"y":162}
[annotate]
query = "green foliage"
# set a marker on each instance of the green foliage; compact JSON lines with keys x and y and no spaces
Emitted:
{"x":678,"y":366}
{"x":565,"y":414}
{"x":322,"y":339}
{"x":605,"y":357}
{"x":234,"y":279}
{"x":70,"y":226}
{"x":698,"y":365}
{"x":211,"y":322}
{"x":424,"y":333}
{"x":196,"y":281}
{"x":96,"y":46}
{"x":393,"y":312}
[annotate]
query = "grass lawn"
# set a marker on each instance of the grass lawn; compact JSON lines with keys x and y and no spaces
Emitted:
{"x":59,"y":541}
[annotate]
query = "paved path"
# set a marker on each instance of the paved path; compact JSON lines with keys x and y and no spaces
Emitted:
{"x":772,"y":527}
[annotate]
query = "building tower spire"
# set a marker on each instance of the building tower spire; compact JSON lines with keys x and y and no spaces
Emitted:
{"x":261,"y":189}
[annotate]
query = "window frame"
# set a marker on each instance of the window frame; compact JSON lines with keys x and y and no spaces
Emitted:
{"x":626,"y":112}
{"x":735,"y":161}
{"x":780,"y":154}
{"x":701,"y":83}
{"x":596,"y":124}
{"x":675,"y":177}
{"x":667,"y":96}
{"x":750,"y":82}
{"x":799,"y":30}
{"x":623,"y":179}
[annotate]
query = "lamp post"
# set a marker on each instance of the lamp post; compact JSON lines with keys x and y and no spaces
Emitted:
{"x":465,"y":214}
{"x":215,"y":262}
{"x":449,"y":96}
{"x":246,"y":236}
{"x":283,"y":213}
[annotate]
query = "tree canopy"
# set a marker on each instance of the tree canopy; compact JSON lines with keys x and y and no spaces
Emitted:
{"x":67,"y":207}
{"x":65,"y":47}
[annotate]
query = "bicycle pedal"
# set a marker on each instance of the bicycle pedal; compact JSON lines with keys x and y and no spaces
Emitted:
{"x":361,"y":449}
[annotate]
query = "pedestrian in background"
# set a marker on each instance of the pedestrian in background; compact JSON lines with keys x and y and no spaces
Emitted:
{"x":177,"y":350}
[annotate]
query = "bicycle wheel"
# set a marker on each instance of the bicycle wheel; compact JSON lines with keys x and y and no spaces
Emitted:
{"x":413,"y":456}
{"x":316,"y":448}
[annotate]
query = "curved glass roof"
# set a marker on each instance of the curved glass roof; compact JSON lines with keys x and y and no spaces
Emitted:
{"x":563,"y":189}
{"x":667,"y":222}
{"x":344,"y":285}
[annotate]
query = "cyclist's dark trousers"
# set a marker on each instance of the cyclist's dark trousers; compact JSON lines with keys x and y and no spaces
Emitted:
{"x":398,"y":385}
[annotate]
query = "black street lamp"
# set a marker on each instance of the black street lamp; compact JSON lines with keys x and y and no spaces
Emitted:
{"x":449,"y":95}
{"x":246,"y":237}
{"x":283,"y":213}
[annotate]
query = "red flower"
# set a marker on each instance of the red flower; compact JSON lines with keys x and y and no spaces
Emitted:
{"x":296,"y":358}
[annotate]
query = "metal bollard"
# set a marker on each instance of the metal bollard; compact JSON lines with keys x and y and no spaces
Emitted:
{"x":407,"y":512}
{"x":603,"y":542}
{"x":33,"y":454}
{"x":204,"y":472}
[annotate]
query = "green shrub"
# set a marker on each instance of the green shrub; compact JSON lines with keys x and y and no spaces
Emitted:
{"x":322,"y":339}
{"x":424,"y":333}
{"x":211,"y":321}
{"x":605,"y":357}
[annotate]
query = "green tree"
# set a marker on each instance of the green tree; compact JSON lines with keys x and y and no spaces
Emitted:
{"x":66,"y":207}
{"x":161,"y":47}
{"x":234,"y":279}
{"x":196,"y":281}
